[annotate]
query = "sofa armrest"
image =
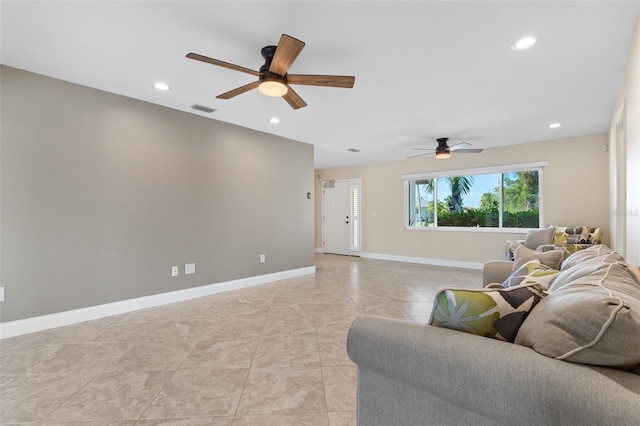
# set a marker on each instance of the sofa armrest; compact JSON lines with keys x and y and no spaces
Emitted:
{"x":507,"y":383}
{"x":496,"y":271}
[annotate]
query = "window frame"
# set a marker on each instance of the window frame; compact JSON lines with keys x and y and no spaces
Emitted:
{"x":510,"y":168}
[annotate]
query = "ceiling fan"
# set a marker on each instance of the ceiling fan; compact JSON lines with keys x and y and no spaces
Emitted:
{"x":273,"y":79}
{"x":444,"y":151}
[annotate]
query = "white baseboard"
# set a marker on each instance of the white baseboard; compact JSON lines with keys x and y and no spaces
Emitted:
{"x":45,"y":322}
{"x":423,"y":260}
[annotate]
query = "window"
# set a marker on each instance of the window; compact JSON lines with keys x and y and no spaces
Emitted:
{"x":481,"y":198}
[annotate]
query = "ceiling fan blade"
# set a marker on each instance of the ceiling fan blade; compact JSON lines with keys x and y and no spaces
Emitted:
{"x":239,"y":90}
{"x":422,"y":155}
{"x":459,"y":146}
{"x":222,"y":64}
{"x":294,"y":99}
{"x":345,"y":81}
{"x":287,"y":51}
{"x":469,"y":151}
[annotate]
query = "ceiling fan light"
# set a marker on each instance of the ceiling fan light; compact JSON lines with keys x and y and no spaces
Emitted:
{"x":441,"y":155}
{"x":273,"y":88}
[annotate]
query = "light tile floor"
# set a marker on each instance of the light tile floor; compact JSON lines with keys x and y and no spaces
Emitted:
{"x":267,"y":355}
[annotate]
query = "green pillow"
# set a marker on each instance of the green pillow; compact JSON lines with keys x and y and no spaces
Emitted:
{"x":496,"y":312}
{"x":532,"y":272}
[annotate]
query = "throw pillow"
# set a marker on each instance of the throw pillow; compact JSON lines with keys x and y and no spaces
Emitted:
{"x":567,"y":235}
{"x":572,"y":275}
{"x":495,"y":313}
{"x":523,"y":255}
{"x":532,"y":272}
{"x":596,"y":252}
{"x":584,"y":263}
{"x":539,"y":237}
{"x":594,"y":320}
{"x":577,"y":235}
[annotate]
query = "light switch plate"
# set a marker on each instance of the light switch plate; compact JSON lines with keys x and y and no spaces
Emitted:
{"x":190,"y":268}
{"x":1,"y":294}
{"x":174,"y":271}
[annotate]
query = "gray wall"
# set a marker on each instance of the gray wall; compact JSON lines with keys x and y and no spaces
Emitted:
{"x":102,"y":194}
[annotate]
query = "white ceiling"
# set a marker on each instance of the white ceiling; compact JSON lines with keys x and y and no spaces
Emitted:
{"x":423,"y":69}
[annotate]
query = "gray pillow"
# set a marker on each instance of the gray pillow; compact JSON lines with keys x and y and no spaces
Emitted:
{"x":594,"y":320}
{"x":571,"y":275}
{"x":539,"y":237}
{"x":551,"y":258}
{"x":597,"y":252}
{"x":583,"y":263}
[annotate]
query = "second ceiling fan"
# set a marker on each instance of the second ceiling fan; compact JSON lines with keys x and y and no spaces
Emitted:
{"x":273,"y":77}
{"x":443,"y":150}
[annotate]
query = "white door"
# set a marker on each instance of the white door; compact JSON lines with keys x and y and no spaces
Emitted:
{"x":336,"y":206}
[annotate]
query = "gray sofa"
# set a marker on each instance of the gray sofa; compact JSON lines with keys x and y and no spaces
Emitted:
{"x":416,"y":374}
{"x":568,"y":239}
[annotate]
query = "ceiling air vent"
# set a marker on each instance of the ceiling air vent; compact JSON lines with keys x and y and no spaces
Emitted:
{"x":202,"y":108}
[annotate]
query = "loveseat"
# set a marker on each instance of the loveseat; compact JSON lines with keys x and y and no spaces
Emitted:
{"x":418,"y":374}
{"x":569,"y":239}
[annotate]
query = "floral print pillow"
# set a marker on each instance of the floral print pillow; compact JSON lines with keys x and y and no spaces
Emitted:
{"x":496,"y":312}
{"x":532,"y":272}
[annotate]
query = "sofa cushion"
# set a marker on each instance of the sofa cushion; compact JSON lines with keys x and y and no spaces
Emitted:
{"x":494,"y":312}
{"x":523,"y":255}
{"x":539,"y":237}
{"x":593,"y":320}
{"x":532,"y":272}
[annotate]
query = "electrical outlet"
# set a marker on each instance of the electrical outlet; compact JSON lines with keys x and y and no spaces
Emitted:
{"x":263,"y":258}
{"x":174,"y":271}
{"x":190,"y":268}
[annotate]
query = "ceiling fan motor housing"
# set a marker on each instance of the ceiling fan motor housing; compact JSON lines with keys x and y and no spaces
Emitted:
{"x":442,"y":145}
{"x":267,"y":53}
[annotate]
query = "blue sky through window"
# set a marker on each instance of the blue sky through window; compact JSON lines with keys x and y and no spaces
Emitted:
{"x":482,"y":184}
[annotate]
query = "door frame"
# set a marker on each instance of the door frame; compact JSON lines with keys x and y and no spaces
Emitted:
{"x":355,"y":227}
{"x":619,"y":213}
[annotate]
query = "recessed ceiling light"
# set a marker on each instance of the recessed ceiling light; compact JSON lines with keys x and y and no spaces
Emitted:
{"x":523,"y":43}
{"x":162,"y":86}
{"x":274,"y":120}
{"x":554,"y":125}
